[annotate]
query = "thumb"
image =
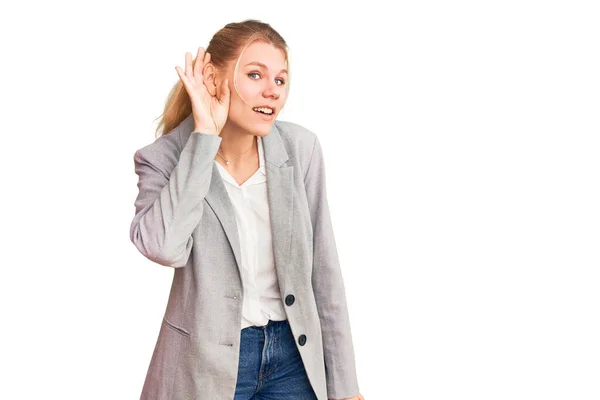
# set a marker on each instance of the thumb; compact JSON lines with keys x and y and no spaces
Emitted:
{"x":225,"y":93}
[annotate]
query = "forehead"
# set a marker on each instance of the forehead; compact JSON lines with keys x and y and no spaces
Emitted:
{"x":263,"y":53}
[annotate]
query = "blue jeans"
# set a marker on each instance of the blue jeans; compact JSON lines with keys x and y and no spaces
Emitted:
{"x":270,"y":367}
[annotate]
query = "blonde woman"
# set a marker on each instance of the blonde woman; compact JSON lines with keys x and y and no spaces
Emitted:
{"x":235,"y":201}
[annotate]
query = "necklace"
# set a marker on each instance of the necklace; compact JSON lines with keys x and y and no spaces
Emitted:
{"x":228,"y":161}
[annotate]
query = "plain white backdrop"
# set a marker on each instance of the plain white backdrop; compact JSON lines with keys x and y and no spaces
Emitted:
{"x":461,"y":142}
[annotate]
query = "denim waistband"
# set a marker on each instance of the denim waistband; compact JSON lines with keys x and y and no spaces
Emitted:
{"x":270,"y":325}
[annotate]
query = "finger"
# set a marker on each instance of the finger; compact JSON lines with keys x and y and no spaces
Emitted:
{"x":179,"y":72}
{"x":199,"y":62}
{"x":225,"y":93}
{"x":182,"y":76}
{"x":206,"y":61}
{"x":218,"y":94}
{"x":188,"y":64}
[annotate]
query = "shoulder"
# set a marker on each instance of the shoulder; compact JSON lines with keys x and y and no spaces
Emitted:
{"x":291,"y":131}
{"x":303,"y":145}
{"x":299,"y":140}
{"x":164,"y":152}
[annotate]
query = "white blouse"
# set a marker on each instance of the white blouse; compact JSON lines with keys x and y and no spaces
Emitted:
{"x":261,"y":300}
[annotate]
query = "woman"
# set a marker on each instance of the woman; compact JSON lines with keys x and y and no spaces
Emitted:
{"x":235,"y":201}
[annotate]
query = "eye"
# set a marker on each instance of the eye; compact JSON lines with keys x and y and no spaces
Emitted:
{"x":256,"y":73}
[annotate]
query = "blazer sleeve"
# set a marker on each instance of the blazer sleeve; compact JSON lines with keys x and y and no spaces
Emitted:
{"x":328,"y":286}
{"x":169,"y":204}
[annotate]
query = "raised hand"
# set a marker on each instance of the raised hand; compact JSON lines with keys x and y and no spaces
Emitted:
{"x":210,"y":112}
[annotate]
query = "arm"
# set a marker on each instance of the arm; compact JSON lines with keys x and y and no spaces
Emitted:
{"x":168,"y":210}
{"x":328,"y":286}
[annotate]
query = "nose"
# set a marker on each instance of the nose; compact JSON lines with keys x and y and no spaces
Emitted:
{"x":272,"y":91}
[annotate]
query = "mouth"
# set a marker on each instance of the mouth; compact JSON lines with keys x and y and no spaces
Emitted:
{"x":265,"y":112}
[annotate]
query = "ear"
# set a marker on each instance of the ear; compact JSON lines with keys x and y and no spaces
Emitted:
{"x":210,"y":78}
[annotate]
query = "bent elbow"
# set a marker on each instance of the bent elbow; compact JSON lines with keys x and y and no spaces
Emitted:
{"x":163,"y":255}
{"x":173,"y":262}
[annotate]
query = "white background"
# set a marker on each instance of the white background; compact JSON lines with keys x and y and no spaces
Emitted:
{"x":462,"y":148}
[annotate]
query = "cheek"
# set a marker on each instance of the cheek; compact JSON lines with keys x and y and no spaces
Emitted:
{"x":239,"y":112}
{"x":245,"y":95}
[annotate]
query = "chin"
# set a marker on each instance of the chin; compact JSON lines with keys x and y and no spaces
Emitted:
{"x":263,"y":130}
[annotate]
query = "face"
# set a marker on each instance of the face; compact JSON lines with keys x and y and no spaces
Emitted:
{"x":254,"y":85}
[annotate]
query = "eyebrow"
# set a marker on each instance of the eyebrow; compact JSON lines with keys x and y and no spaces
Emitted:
{"x":264,"y":66}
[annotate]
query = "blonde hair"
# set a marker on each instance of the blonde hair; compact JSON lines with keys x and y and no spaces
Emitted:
{"x":225,"y":46}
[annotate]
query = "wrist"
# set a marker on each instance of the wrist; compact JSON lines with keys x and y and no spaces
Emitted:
{"x":206,"y":130}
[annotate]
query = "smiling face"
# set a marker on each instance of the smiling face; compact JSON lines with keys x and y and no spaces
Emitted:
{"x":261,"y":79}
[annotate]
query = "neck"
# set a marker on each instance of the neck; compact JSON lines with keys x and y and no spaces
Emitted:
{"x":234,"y":142}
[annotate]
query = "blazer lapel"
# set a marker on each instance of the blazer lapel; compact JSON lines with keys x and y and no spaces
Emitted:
{"x":218,"y":199}
{"x":280,"y":195}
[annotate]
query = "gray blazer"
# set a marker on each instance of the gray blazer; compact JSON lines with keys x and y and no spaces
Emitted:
{"x":184,"y":219}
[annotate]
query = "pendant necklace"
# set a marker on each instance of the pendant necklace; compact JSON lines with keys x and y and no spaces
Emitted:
{"x":228,"y":161}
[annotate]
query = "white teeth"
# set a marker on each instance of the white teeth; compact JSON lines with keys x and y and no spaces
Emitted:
{"x":264,"y":110}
